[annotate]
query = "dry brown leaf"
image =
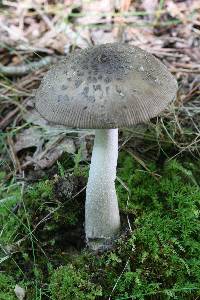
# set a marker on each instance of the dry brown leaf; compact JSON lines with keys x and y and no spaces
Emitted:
{"x":50,"y":157}
{"x":53,"y":140}
{"x":174,"y":9}
{"x":31,"y":137}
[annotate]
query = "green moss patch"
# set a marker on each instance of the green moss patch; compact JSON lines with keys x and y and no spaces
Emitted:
{"x":7,"y":286}
{"x":156,"y":256}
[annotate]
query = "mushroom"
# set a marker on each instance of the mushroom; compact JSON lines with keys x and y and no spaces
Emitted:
{"x":105,"y":87}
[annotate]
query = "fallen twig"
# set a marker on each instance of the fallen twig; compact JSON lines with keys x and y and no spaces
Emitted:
{"x":26,"y":68}
{"x":176,"y":70}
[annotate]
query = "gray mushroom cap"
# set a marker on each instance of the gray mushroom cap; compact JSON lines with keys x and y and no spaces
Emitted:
{"x":106,"y":86}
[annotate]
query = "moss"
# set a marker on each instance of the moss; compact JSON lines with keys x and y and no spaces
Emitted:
{"x":53,"y":212}
{"x":10,"y":196}
{"x":55,"y":197}
{"x":7,"y":286}
{"x":159,"y":259}
{"x":68,"y":283}
{"x":40,"y":190}
{"x":2,"y":173}
{"x":163,"y":250}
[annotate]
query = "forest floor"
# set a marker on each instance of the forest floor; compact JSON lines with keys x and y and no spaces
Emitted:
{"x":44,"y":168}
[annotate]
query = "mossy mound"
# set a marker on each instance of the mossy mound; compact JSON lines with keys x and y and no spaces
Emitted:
{"x":156,"y":257}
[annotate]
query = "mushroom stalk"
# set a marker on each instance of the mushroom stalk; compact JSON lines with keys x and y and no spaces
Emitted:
{"x":102,"y":220}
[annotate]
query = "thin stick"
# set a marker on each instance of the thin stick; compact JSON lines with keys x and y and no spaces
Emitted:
{"x":26,"y":68}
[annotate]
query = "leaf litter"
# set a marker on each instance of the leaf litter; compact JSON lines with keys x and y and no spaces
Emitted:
{"x":33,"y":31}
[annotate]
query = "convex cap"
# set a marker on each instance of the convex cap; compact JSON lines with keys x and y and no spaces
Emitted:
{"x":106,"y":86}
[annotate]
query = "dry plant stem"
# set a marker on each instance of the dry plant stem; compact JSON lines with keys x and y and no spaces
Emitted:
{"x":102,"y":220}
{"x":8,"y":118}
{"x":13,"y":155}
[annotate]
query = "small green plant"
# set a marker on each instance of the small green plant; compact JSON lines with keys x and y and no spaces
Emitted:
{"x":61,"y":169}
{"x":68,"y":283}
{"x":79,"y":170}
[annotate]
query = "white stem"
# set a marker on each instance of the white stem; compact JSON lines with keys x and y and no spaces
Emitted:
{"x":102,"y":220}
